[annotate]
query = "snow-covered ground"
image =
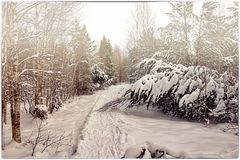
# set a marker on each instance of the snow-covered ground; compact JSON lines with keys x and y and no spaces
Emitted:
{"x":108,"y":134}
{"x":193,"y":139}
{"x":70,"y":120}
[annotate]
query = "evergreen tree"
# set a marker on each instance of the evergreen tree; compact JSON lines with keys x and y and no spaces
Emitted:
{"x":82,"y":49}
{"x":105,"y":54}
{"x":206,"y":38}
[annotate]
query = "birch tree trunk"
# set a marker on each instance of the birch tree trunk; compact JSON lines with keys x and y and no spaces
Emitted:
{"x":5,"y":52}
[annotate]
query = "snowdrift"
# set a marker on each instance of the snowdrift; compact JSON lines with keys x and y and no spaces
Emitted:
{"x":195,"y":92}
{"x":150,"y":150}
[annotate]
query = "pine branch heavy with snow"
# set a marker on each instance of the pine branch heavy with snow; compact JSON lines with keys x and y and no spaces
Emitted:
{"x":190,"y":92}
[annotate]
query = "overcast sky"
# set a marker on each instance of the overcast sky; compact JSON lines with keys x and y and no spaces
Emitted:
{"x":113,"y":19}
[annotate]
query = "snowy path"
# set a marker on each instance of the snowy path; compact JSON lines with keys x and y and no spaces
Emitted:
{"x":108,"y":134}
{"x":74,"y":117}
{"x":102,"y":135}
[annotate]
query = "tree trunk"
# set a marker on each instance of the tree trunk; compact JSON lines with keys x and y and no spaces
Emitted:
{"x":36,"y":62}
{"x":16,"y":115}
{"x":11,"y":102}
{"x":4,"y":105}
{"x":16,"y":112}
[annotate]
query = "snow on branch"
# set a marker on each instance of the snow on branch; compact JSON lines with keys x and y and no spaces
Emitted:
{"x":195,"y":92}
{"x":33,"y":56}
{"x":38,"y":70}
{"x":26,"y":49}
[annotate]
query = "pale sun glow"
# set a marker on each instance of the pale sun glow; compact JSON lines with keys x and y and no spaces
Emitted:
{"x":114,"y":19}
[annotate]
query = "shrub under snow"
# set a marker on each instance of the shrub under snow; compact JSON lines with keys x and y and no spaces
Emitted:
{"x":99,"y":77}
{"x":189,"y":92}
{"x":40,"y":111}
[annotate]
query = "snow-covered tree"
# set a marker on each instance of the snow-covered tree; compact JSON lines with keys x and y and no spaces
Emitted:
{"x":203,"y":38}
{"x":99,"y":77}
{"x":214,"y":39}
{"x":105,"y":54}
{"x":34,"y":55}
{"x":82,"y":50}
{"x":181,"y":27}
{"x":191,"y":92}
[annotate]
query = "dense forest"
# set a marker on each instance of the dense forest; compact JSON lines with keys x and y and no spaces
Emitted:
{"x":48,"y":57}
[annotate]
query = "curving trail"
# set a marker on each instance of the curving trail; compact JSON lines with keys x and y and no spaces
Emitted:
{"x":103,"y":137}
{"x":76,"y":116}
{"x":107,"y":134}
